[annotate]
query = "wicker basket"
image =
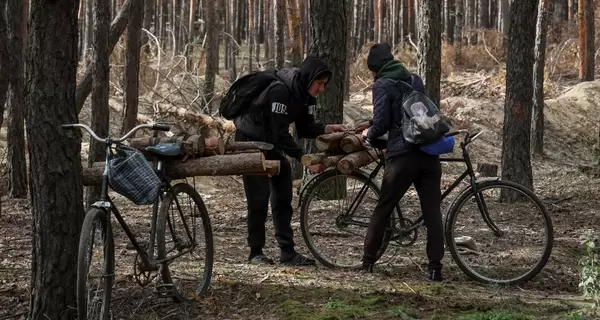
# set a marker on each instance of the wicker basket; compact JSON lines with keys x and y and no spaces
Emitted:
{"x":130,"y":175}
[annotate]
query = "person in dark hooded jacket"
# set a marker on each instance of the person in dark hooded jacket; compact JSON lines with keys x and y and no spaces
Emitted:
{"x":291,"y":99}
{"x":406,"y":164}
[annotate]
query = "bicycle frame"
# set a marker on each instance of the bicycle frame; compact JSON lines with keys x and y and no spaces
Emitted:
{"x":469,"y":171}
{"x":105,"y":203}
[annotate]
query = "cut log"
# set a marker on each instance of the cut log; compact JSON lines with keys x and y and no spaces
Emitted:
{"x":219,"y":165}
{"x":332,"y":161}
{"x":352,"y":143}
{"x":356,"y":160}
{"x":244,"y":146}
{"x":311,"y":159}
{"x":328,"y":160}
{"x":330,"y":143}
{"x":192,"y":146}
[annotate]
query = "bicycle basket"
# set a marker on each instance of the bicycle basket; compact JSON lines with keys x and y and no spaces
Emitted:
{"x":130,"y":175}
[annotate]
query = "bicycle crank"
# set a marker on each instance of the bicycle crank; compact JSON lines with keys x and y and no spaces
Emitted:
{"x":142,"y":276}
{"x":405,"y":238}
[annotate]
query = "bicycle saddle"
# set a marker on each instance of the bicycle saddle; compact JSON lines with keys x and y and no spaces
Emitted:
{"x":379,"y":143}
{"x":165,"y":149}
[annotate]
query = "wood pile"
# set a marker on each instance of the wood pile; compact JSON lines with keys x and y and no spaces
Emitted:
{"x":343,"y":150}
{"x":200,"y":156}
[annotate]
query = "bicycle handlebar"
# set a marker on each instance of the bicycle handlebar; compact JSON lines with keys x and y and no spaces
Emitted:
{"x":160,"y":127}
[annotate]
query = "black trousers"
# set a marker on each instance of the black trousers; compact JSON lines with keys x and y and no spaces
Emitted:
{"x":278,"y":189}
{"x":400,"y":173}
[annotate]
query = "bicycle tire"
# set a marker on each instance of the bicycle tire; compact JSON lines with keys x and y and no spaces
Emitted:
{"x":161,"y":229}
{"x":305,"y":201}
{"x":87,"y":230}
{"x":454,"y":249}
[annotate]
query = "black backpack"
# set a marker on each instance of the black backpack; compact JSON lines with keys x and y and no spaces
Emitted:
{"x":244,"y":91}
{"x":422,"y":121}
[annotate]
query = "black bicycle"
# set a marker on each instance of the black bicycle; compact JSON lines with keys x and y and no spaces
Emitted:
{"x":497,"y":231}
{"x":173,"y":234}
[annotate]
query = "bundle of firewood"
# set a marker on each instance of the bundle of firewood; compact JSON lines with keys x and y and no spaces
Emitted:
{"x":201,"y":156}
{"x":343,"y":150}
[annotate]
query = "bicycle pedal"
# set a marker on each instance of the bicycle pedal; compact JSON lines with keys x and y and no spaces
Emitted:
{"x":165,"y":290}
{"x":143,"y":245}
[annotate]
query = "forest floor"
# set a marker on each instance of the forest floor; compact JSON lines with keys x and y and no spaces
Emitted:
{"x":564,"y":179}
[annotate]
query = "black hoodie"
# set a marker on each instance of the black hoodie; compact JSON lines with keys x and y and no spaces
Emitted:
{"x":285,"y":102}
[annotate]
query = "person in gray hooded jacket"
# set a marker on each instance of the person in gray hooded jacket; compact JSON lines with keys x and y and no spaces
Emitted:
{"x":291,"y":99}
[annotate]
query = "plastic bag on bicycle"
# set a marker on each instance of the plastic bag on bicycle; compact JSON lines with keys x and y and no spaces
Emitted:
{"x":130,"y":175}
{"x":443,"y":145}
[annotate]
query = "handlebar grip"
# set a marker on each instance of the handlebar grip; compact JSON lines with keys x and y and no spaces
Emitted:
{"x":161,"y":127}
{"x":68,"y":126}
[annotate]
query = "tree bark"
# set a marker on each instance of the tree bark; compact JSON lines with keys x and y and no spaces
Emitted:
{"x":4,"y":59}
{"x":212,"y":52}
{"x":55,"y":157}
{"x":16,"y":102}
{"x":450,"y":21}
{"x":295,"y":30}
{"x":84,"y":87}
{"x":100,"y":89}
{"x":516,"y":156}
{"x":586,"y":40}
{"x":220,"y":165}
{"x":351,"y":143}
{"x":430,"y":47}
{"x":279,"y":39}
{"x":131,"y":79}
{"x":330,"y":142}
{"x":537,"y":123}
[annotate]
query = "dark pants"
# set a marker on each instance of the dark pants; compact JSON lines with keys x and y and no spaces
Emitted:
{"x":400,"y":172}
{"x":278,"y":188}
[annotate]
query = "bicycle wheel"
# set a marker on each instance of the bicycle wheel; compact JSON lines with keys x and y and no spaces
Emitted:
{"x":94,"y":289}
{"x":179,"y":237}
{"x":495,"y":241}
{"x":337,"y":239}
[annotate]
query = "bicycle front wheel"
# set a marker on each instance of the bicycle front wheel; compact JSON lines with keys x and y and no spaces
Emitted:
{"x":334,"y":216}
{"x":184,"y":243}
{"x":500,"y":235}
{"x":95,"y":266}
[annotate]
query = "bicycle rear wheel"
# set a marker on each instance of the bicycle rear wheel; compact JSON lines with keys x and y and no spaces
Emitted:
{"x":497,"y":241}
{"x":334,"y":238}
{"x":94,"y":289}
{"x":184,"y":240}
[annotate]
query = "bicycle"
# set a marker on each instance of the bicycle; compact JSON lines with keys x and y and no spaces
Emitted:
{"x":95,"y":304}
{"x":460,"y":239}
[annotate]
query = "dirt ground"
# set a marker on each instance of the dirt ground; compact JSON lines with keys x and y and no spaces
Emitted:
{"x":398,"y":289}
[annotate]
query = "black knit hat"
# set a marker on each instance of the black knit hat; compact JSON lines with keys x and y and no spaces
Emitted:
{"x":379,"y":55}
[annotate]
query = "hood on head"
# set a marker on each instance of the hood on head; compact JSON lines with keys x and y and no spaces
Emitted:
{"x":311,"y":69}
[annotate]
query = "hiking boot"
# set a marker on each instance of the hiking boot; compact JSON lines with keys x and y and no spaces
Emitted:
{"x":296,"y":259}
{"x":261,"y":259}
{"x":435,"y":275}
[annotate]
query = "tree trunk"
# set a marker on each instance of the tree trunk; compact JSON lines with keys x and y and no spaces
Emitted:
{"x":116,"y":29}
{"x":148,"y":19}
{"x":483,"y":14}
{"x":516,"y":156}
{"x":430,"y":47}
{"x":279,"y":39}
{"x":100,"y":89}
{"x":329,"y":21}
{"x":55,"y":158}
{"x":458,"y":26}
{"x":537,"y":123}
{"x":16,"y":103}
{"x":586,"y":40}
{"x":212,"y":52}
{"x":250,"y":33}
{"x":450,"y":21}
{"x":233,"y":49}
{"x":504,"y":19}
{"x":131,"y":78}
{"x":295,"y":31}
{"x":4,"y":59}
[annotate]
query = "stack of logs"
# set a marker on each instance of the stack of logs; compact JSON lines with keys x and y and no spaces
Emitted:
{"x":201,"y":156}
{"x":342,"y":150}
